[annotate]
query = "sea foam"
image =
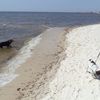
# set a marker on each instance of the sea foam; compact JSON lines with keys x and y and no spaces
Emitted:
{"x":23,"y":54}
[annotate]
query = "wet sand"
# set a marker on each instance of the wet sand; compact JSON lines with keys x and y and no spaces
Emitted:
{"x":8,"y":53}
{"x":31,"y":74}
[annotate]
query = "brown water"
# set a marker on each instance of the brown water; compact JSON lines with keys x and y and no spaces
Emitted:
{"x":6,"y":54}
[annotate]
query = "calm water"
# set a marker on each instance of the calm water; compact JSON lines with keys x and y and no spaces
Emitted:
{"x":21,"y":25}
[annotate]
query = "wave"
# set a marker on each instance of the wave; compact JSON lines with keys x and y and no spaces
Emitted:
{"x":23,"y":54}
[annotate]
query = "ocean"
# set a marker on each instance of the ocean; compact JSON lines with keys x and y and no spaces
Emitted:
{"x":24,"y":26}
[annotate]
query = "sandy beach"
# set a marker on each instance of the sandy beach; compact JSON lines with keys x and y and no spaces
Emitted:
{"x":32,"y":73}
{"x":72,"y":80}
{"x":57,"y":67}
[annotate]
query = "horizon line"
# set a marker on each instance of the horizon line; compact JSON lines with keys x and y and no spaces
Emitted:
{"x":55,"y":11}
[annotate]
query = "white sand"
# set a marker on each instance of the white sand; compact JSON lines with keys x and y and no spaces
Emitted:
{"x":72,"y":82}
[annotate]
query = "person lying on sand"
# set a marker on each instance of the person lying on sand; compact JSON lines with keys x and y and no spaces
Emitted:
{"x":95,"y":70}
{"x":92,"y":66}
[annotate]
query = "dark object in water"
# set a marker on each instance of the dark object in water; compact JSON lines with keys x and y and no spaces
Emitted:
{"x":6,"y":43}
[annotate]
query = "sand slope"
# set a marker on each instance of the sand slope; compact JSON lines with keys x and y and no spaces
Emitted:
{"x":72,"y":82}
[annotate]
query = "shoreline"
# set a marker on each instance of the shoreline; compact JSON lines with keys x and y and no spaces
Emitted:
{"x":8,"y":71}
{"x":41,"y":61}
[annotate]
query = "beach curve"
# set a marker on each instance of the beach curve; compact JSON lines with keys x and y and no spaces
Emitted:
{"x":43,"y":57}
{"x":72,"y":81}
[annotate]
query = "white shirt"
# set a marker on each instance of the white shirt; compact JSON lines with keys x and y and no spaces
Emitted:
{"x":92,"y":68}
